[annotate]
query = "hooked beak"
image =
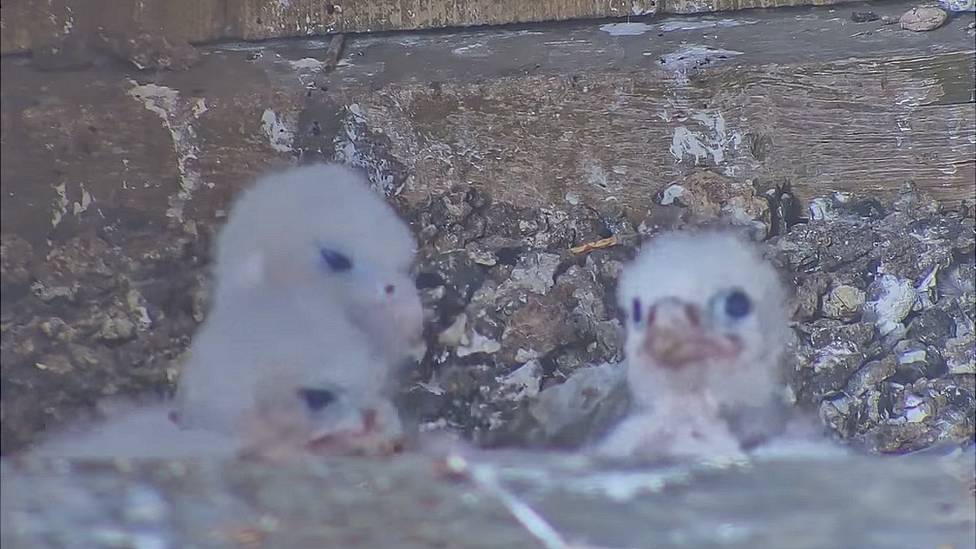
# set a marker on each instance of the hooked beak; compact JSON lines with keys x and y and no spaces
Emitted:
{"x":675,"y":337}
{"x":409,"y":315}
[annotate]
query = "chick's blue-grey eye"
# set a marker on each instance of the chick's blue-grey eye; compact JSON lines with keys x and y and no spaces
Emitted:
{"x":637,"y":312}
{"x":317,"y":399}
{"x":737,"y":305}
{"x":337,"y":262}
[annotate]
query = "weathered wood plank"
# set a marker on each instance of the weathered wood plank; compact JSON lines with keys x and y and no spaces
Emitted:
{"x":552,"y":113}
{"x":31,"y":24}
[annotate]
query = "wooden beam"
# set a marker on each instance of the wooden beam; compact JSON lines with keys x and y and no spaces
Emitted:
{"x":31,"y":24}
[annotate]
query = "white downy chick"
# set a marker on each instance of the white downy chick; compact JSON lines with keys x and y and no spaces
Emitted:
{"x":295,"y":334}
{"x":707,"y":329}
{"x":285,"y":424}
{"x":289,"y":424}
{"x":323,"y":224}
{"x":134,"y":433}
{"x":312,"y":285}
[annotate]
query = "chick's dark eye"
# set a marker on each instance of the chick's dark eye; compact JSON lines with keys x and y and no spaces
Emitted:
{"x":316,"y":399}
{"x":737,"y":304}
{"x":336,"y":261}
{"x":637,"y":312}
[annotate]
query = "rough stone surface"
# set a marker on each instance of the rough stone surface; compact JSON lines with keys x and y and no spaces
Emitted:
{"x":879,"y":375}
{"x":884,"y":339}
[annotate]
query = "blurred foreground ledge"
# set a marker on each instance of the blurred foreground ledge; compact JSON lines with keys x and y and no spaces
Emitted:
{"x":409,"y":502}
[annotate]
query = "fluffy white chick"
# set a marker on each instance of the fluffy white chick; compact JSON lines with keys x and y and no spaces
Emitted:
{"x":286,"y":423}
{"x":707,"y":328}
{"x":144,"y":432}
{"x":293,"y":333}
{"x":290,"y":422}
{"x":322,"y":224}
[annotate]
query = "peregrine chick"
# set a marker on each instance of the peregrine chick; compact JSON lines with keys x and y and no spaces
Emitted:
{"x":707,"y":329}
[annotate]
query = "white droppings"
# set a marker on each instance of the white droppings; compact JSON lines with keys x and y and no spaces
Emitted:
{"x":355,"y":131}
{"x":625,"y":29}
{"x":176,"y":116}
{"x":927,"y":289}
{"x":60,"y":204}
{"x":830,"y":356}
{"x":86,"y":201}
{"x":279,"y":136}
{"x":525,"y":355}
{"x":640,"y":7}
{"x":897,"y":298}
{"x":307,"y":64}
{"x":199,"y":107}
{"x":479,"y":344}
{"x":821,"y":209}
{"x":710,"y":140}
{"x":523,"y":382}
{"x":137,"y":305}
{"x":596,"y":176}
{"x":456,"y":334}
{"x":916,"y":409}
{"x":672,"y":193}
{"x":478,"y":49}
{"x":535,"y":273}
{"x":691,"y":57}
{"x":698,"y":24}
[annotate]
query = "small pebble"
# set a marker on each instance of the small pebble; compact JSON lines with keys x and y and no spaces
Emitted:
{"x":843,"y":302}
{"x":864,"y":16}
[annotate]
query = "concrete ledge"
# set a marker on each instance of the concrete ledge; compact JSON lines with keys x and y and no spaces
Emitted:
{"x":411,"y":502}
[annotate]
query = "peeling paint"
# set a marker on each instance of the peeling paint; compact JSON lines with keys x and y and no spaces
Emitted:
{"x":280,"y":137}
{"x":176,"y":116}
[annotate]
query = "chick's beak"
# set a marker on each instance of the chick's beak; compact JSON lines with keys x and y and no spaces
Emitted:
{"x":675,"y":336}
{"x":370,"y":430}
{"x":409,"y":315}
